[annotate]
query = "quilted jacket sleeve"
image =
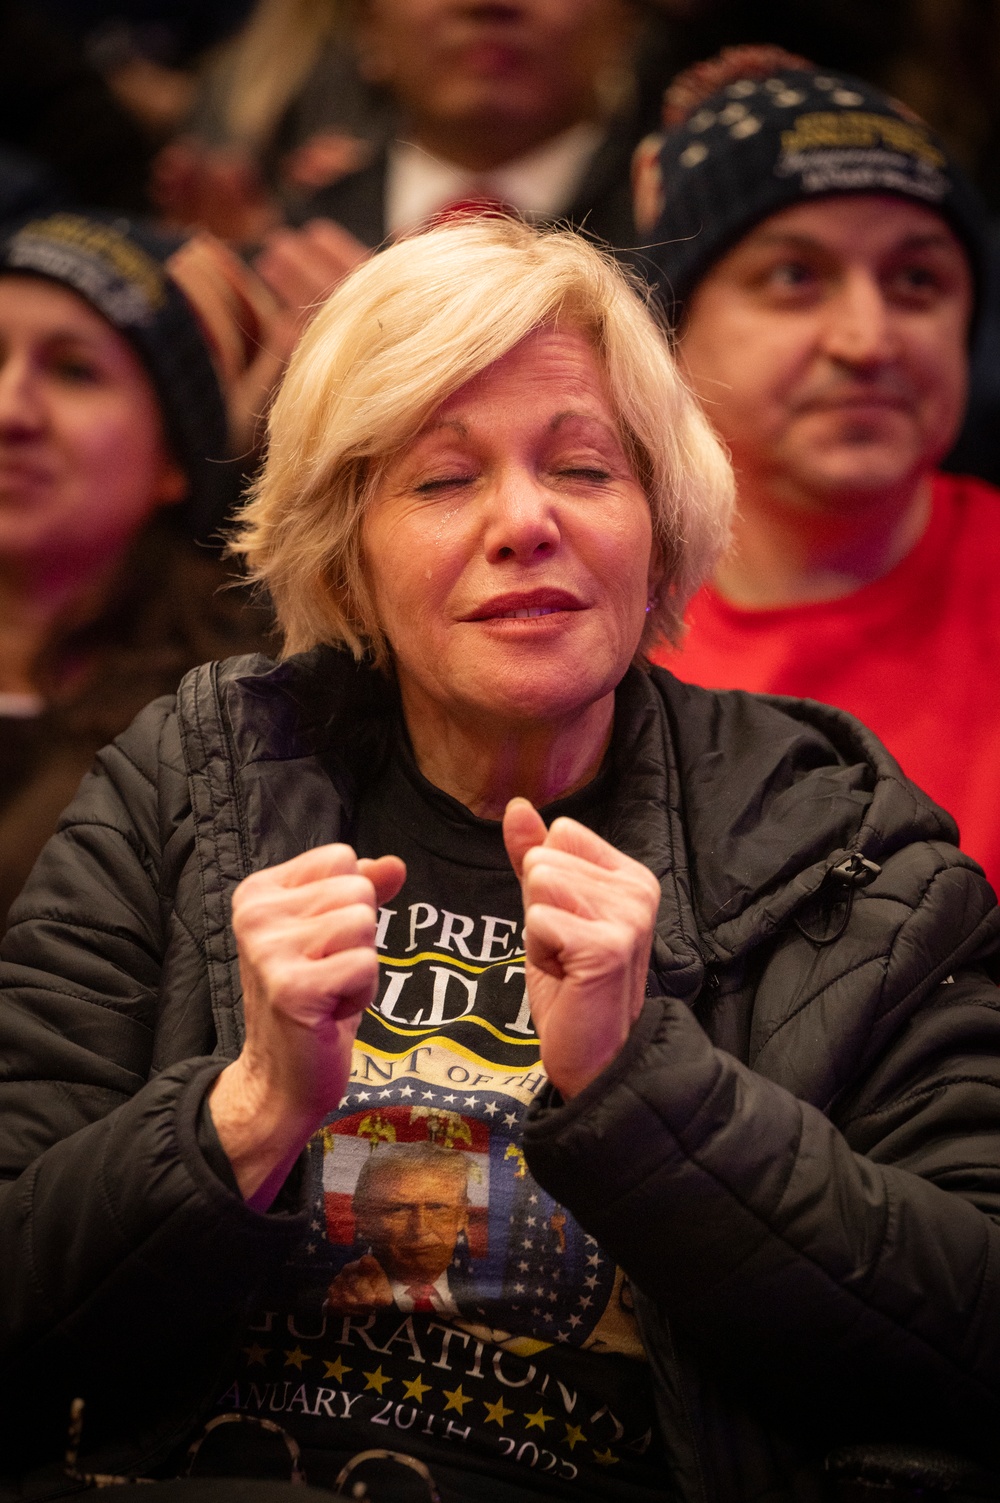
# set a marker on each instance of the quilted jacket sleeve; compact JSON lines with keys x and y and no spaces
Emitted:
{"x":121,"y":1251}
{"x":844,"y":1278}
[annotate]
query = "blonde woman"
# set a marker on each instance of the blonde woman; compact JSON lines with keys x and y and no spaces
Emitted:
{"x":693,"y":982}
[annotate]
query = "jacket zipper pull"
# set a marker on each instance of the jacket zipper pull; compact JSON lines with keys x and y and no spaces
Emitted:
{"x":853,"y":873}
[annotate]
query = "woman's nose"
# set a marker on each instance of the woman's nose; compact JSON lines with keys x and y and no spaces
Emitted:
{"x":521,"y":521}
{"x":21,"y":408}
{"x":860,"y":328}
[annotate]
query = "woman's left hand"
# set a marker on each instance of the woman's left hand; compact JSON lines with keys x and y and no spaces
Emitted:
{"x":589,"y":913}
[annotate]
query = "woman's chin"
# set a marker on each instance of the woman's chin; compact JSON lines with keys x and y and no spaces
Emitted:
{"x":538,"y":693}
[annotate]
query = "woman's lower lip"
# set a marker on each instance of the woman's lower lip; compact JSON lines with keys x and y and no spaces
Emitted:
{"x":873,"y":404}
{"x":491,"y":59}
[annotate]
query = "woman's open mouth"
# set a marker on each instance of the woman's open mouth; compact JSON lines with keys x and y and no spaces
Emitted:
{"x":526,"y":605}
{"x":527,"y":611}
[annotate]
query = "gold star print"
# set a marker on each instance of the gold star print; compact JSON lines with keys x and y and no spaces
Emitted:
{"x":336,"y":1369}
{"x":540,"y":1419}
{"x":456,"y":1399}
{"x":376,"y":1380}
{"x":605,"y":1458}
{"x":416,"y":1389}
{"x":497,"y":1412}
{"x":255,"y":1353}
{"x":296,"y":1358}
{"x":574,"y":1435}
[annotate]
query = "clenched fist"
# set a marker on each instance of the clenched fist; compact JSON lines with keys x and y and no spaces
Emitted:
{"x":305,"y":932}
{"x":589,"y":914}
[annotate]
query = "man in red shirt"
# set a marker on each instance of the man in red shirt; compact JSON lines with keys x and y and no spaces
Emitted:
{"x":822,"y":255}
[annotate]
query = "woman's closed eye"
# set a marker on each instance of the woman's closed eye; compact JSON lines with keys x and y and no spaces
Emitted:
{"x":435,"y":483}
{"x":592,"y":473}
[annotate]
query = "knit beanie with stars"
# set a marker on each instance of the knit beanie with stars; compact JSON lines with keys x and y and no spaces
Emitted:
{"x":757,"y":129}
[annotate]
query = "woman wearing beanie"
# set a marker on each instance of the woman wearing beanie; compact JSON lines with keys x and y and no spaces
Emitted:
{"x":112,"y":428}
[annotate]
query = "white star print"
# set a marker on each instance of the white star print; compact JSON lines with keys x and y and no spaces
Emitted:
{"x":491,"y":1108}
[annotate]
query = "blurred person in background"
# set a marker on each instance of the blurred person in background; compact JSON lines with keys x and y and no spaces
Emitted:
{"x":531,"y":104}
{"x":525,"y":104}
{"x":118,"y":405}
{"x":821,"y":255}
{"x":280,"y":110}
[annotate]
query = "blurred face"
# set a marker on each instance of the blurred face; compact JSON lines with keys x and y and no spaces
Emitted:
{"x":83,"y":461}
{"x":457,"y":65}
{"x":829,"y":348}
{"x":412,"y":1219}
{"x":508,"y":547}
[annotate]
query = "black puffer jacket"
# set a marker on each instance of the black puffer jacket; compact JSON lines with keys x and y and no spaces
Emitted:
{"x":796,"y":1157}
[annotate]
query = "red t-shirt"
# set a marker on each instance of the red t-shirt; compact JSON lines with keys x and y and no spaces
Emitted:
{"x":914,"y":655}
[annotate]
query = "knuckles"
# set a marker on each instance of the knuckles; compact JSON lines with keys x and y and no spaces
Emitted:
{"x":593,"y":892}
{"x":298,"y":989}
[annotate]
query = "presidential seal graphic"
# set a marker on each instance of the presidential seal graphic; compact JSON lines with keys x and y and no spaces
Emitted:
{"x":426,"y":1207}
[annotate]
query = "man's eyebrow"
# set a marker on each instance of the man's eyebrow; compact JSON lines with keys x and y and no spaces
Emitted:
{"x":918,"y":240}
{"x":784,"y":237}
{"x":928,"y":239}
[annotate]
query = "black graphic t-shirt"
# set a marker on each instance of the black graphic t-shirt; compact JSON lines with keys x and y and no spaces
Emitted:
{"x":444,"y":1304}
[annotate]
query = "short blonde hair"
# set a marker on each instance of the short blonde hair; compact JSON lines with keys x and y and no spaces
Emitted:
{"x":402,"y":333}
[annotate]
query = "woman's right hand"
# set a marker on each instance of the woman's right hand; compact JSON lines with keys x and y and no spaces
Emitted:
{"x":305,"y":932}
